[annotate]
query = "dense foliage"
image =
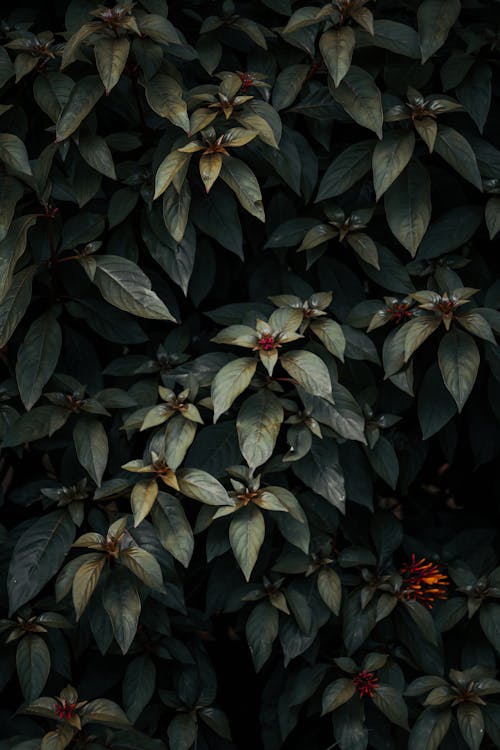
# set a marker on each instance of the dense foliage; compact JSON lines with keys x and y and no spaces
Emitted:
{"x":250,"y":392}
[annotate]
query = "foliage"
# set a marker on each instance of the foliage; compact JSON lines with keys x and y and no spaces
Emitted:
{"x":248,"y":318}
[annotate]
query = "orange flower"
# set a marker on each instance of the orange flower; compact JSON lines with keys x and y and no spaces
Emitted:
{"x":424,"y":582}
{"x":366,"y":683}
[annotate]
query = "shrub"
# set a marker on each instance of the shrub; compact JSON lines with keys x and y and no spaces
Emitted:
{"x":251,"y":386}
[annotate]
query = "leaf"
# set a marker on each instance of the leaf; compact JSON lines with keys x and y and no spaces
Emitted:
{"x":455,"y":150}
{"x":201,"y":486}
{"x":474,"y":93}
{"x":336,"y":47}
{"x":82,"y":100}
{"x":97,"y":154}
{"x":91,"y":444}
{"x":408,"y":206}
{"x":33,"y":665}
{"x":230,"y":381}
{"x":111,"y":57}
{"x":106,"y":712}
{"x":308,"y":370}
{"x":15,"y":303}
{"x":390,"y":157}
{"x":13,"y":153}
{"x":246,"y":535}
{"x":359,"y":96}
{"x":258,"y":425}
{"x":346,"y":169}
{"x":392,"y":704}
{"x":11,"y":192}
{"x":488,"y":617}
{"x":142,"y":499}
{"x":430,"y":729}
{"x":471,"y":724}
{"x":435,"y":405}
{"x":123,"y":605}
{"x":144,"y":566}
{"x":242,"y":181}
{"x":172,"y":525}
{"x":38,"y":555}
{"x":330,"y":589}
{"x":164,"y":96}
{"x":138,"y":685}
{"x":288,"y":85}
{"x":321,"y":471}
{"x":261,"y":631}
{"x":85,"y":581}
{"x":124,"y":285}
{"x":458,"y":358}
{"x":37,"y":358}
{"x":435,"y":19}
{"x":492,"y":216}
{"x":168,"y":169}
{"x":337,"y":693}
{"x":182,"y":731}
{"x":12,"y":248}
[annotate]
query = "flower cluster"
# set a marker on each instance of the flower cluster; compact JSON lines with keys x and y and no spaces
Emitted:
{"x":423,"y":581}
{"x":366,"y":683}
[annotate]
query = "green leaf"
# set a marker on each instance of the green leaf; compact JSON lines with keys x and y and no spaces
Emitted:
{"x":309,"y":371}
{"x":471,"y":724}
{"x":408,"y":206}
{"x":337,"y":47}
{"x":85,"y":581}
{"x":143,"y":498}
{"x":390,"y":157}
{"x":492,"y":216}
{"x":12,"y":248}
{"x":474,"y":93}
{"x":490,"y":623}
{"x":321,"y":471}
{"x":261,"y":631}
{"x":124,"y":285}
{"x":82,"y":100}
{"x":246,"y":535}
{"x":201,"y":486}
{"x":330,"y":589}
{"x":138,"y":685}
{"x":359,"y":96}
{"x":111,"y":57}
{"x":258,"y":425}
{"x":11,"y":191}
{"x":15,"y":303}
{"x":144,"y":566}
{"x":422,"y":618}
{"x":123,"y":605}
{"x":168,"y":169}
{"x":392,"y":704}
{"x":91,"y":444}
{"x":346,"y":169}
{"x":172,"y":525}
{"x":288,"y":85}
{"x":164,"y":96}
{"x":106,"y":712}
{"x":458,"y":358}
{"x":37,"y":358}
{"x":38,"y":555}
{"x":435,"y":19}
{"x":435,"y":405}
{"x":430,"y":729}
{"x":230,"y":381}
{"x":182,"y":731}
{"x":33,"y":665}
{"x":455,"y":150}
{"x":242,"y":181}
{"x":13,"y":153}
{"x":97,"y":154}
{"x":337,"y":693}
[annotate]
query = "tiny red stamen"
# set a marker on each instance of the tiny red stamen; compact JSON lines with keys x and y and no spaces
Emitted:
{"x":246,"y":81}
{"x":267,"y":342}
{"x":366,"y":683}
{"x":423,"y":581}
{"x":64,"y":710}
{"x":398,"y":311}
